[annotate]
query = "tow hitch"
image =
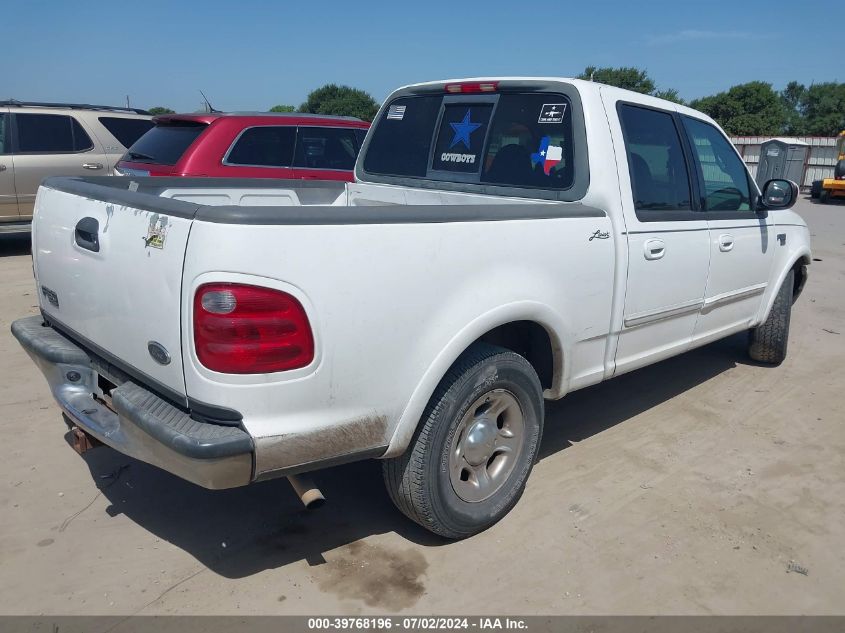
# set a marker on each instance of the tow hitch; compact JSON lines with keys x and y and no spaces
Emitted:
{"x":82,"y":441}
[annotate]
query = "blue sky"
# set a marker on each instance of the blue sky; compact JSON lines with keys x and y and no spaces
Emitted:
{"x":249,"y":55}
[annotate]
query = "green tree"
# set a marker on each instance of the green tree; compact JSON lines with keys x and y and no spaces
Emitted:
{"x":626,"y":77}
{"x":823,"y":109}
{"x":753,"y":108}
{"x":629,"y":78}
{"x":161,"y":110}
{"x":282,"y":108}
{"x":340,"y":100}
{"x":793,"y":101}
{"x":670,"y":94}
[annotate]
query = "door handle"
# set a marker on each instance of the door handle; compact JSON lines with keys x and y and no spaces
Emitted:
{"x":87,"y":234}
{"x":92,"y":165}
{"x":2,"y":168}
{"x":654,"y":249}
{"x":726,"y":242}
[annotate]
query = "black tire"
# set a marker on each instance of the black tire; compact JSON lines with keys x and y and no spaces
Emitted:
{"x":824,"y":196}
{"x":419,"y":481}
{"x":816,"y":189}
{"x":767,"y":342}
{"x":839,"y":170}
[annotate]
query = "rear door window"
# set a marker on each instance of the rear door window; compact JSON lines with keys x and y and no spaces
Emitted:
{"x":165,"y":143}
{"x":326,"y":148}
{"x":50,"y":134}
{"x":264,"y":146}
{"x":510,"y":139}
{"x":126,"y":131}
{"x":658,"y":169}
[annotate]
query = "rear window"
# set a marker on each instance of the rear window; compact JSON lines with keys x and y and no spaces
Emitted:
{"x":126,"y":131}
{"x":510,"y":139}
{"x":165,"y":143}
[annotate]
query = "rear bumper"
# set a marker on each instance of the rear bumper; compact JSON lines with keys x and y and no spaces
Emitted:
{"x":141,"y":424}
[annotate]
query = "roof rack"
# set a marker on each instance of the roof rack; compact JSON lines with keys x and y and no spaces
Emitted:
{"x":304,"y":115}
{"x":72,"y":106}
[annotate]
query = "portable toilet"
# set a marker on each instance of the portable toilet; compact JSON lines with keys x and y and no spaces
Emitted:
{"x":782,"y":158}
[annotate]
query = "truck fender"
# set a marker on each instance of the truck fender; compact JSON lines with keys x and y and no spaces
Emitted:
{"x":800,"y":257}
{"x":554,"y":324}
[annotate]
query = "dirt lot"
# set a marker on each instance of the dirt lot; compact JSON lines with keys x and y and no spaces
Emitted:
{"x":687,"y":487}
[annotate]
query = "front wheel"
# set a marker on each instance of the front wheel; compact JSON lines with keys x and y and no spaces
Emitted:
{"x":767,"y":342}
{"x":476,"y":444}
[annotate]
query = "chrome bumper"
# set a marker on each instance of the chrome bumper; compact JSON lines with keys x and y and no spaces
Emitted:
{"x":142,"y":425}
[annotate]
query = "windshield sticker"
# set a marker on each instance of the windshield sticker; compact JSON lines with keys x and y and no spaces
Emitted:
{"x":549,"y":155}
{"x":552,"y":113}
{"x":396,"y":112}
{"x":463,"y":130}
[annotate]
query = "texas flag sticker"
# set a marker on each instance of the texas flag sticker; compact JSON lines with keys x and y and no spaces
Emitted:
{"x":549,"y":155}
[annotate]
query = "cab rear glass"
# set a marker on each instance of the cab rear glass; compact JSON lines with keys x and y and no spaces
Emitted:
{"x":165,"y":143}
{"x":514,"y":139}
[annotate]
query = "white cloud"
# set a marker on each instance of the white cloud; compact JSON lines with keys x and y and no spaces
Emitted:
{"x":692,"y":35}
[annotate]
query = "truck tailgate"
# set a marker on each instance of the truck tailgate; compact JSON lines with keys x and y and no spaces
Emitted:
{"x":111,"y":275}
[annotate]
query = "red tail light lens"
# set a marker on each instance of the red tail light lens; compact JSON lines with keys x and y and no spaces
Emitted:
{"x":472,"y":86}
{"x":241,"y":329}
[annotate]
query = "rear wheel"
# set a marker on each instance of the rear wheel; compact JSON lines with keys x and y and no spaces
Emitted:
{"x":767,"y":342}
{"x":476,"y":444}
{"x":815,"y":189}
{"x":824,"y":196}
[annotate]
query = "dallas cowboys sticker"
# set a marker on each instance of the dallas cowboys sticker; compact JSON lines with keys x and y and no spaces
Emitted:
{"x":396,"y":112}
{"x":450,"y":157}
{"x":462,"y":131}
{"x":552,"y":113}
{"x":461,"y":137}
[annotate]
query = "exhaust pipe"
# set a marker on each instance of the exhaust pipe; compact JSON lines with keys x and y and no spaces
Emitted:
{"x":309,"y":494}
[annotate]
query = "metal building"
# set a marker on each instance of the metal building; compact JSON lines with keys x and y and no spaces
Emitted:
{"x":782,"y":158}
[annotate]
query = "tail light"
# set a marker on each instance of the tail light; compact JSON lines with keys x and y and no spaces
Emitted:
{"x":472,"y":86}
{"x":242,"y":329}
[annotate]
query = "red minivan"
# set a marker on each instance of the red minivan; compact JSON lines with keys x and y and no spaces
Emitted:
{"x":238,"y":145}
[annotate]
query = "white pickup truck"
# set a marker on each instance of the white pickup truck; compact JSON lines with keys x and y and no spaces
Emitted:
{"x":506,"y":241}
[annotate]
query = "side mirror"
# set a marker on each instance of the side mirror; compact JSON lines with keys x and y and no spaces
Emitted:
{"x":778,"y":194}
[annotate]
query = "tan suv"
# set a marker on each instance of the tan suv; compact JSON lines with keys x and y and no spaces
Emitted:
{"x":57,"y":139}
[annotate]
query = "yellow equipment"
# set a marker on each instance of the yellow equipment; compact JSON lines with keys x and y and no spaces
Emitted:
{"x":835,"y":187}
